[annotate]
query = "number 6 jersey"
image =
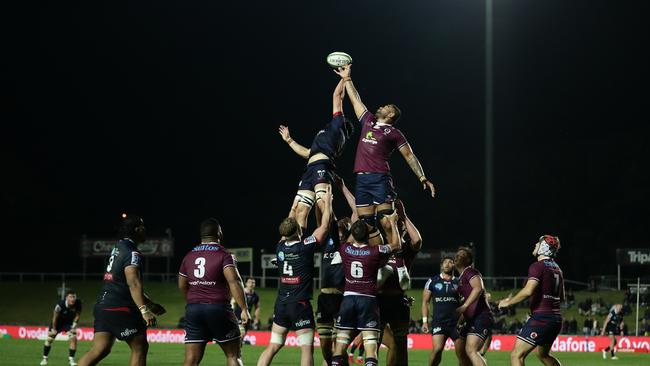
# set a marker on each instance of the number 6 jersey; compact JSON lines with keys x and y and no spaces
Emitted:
{"x":203,"y":266}
{"x":296,"y":265}
{"x":360,"y":265}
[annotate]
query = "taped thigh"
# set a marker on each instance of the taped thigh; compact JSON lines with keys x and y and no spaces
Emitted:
{"x":305,"y":198}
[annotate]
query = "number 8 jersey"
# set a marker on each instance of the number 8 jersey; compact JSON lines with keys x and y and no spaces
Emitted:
{"x":203,"y":266}
{"x":296,"y":263}
{"x":360,"y":265}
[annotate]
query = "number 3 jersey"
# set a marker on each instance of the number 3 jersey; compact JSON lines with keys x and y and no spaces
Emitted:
{"x":296,"y":263}
{"x":203,"y":267}
{"x":115,"y":291}
{"x":360,"y":265}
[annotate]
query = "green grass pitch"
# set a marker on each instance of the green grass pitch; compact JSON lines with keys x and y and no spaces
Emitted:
{"x":28,"y":352}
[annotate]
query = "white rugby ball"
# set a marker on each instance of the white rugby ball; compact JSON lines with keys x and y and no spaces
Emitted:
{"x":338,"y":59}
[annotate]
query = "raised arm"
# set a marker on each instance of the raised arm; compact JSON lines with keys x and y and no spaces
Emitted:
{"x":337,"y":97}
{"x":345,"y":72}
{"x":416,"y":167}
{"x":236,"y":286}
{"x":296,"y":147}
{"x":349,"y":197}
{"x":132,"y":274}
{"x":411,"y":230}
{"x":394,"y":242}
{"x":321,"y":232}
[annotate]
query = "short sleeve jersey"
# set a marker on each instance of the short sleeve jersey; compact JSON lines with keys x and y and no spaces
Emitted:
{"x":444,"y":295}
{"x":115,"y":291}
{"x":546,"y":297}
{"x":67,"y":314}
{"x":296,"y":263}
{"x":203,"y":266}
{"x":331,"y":139}
{"x":402,"y":260}
{"x":360,"y":266}
{"x":252,"y":300}
{"x":376,"y":144}
{"x":478,"y":307}
{"x":615,"y":319}
{"x":332,"y":265}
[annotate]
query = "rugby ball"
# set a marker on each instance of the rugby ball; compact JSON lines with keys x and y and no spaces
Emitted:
{"x":338,"y":59}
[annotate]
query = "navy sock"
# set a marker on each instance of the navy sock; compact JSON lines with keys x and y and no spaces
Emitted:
{"x":71,"y":352}
{"x":46,"y":350}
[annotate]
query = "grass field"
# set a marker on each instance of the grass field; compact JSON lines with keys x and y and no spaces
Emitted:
{"x":28,"y":352}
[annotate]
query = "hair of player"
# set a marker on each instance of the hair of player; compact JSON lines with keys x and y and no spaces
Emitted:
{"x":128,"y":226}
{"x":397,"y":113}
{"x":445,"y":258}
{"x":288,"y":227}
{"x":344,"y":225}
{"x":249,"y":279}
{"x":210,"y":228}
{"x":468,"y":259}
{"x":70,"y":292}
{"x":360,"y":231}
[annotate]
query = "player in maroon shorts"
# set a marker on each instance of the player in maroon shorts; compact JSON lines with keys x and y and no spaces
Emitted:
{"x":207,"y":277}
{"x":359,"y":310}
{"x":375,"y":193}
{"x":545,"y":287}
{"x":475,"y":311}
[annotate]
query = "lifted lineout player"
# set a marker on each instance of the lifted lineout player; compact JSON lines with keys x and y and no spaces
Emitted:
{"x":65,"y":318}
{"x":122,"y":310}
{"x":442,"y":290}
{"x":394,"y":304}
{"x":613,"y":326}
{"x":295,"y":258}
{"x":375,"y":192}
{"x":207,"y":277}
{"x":475,"y":310}
{"x":327,"y":145}
{"x":545,"y":287}
{"x":359,"y":309}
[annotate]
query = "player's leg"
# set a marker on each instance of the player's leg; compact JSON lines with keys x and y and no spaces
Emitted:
{"x":461,"y":353}
{"x":231,"y":350}
{"x":387,"y":338}
{"x":306,"y":343}
{"x":398,"y":319}
{"x":302,"y":203}
{"x":486,"y":345}
{"x":473,"y":344}
{"x":438,"y":345}
{"x":278,"y":335}
{"x":343,"y":338}
{"x":520,"y":351}
{"x":72,"y":349}
{"x":383,"y":211}
{"x":326,"y":310}
{"x":371,"y":346}
{"x":194,"y":353}
{"x":102,"y":344}
{"x":544,"y":355}
{"x":51,"y":335}
{"x":139,"y":349}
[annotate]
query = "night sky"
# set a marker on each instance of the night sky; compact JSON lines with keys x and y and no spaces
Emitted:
{"x":170,"y":110}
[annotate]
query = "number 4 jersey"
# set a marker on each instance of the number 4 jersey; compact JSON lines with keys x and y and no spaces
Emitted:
{"x":296,"y":264}
{"x":360,"y":265}
{"x":203,"y":267}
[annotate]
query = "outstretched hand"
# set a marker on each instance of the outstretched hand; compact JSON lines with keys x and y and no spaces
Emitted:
{"x":427,"y":184}
{"x":344,"y":71}
{"x":284,"y":133}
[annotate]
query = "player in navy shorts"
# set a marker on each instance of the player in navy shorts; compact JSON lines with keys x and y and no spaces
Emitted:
{"x":375,"y":192}
{"x":207,"y":278}
{"x":545,"y":288}
{"x":359,"y":309}
{"x":293,"y":311}
{"x":122,"y":310}
{"x":474,"y":309}
{"x":327,"y":145}
{"x":65,"y":318}
{"x":612,"y":327}
{"x":442,"y":291}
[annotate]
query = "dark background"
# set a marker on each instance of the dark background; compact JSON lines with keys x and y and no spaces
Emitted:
{"x":170,"y":110}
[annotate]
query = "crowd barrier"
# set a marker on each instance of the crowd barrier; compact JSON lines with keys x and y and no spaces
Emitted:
{"x":564,"y":343}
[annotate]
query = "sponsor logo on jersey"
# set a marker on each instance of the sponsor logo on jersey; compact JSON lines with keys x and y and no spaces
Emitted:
{"x":203,"y":283}
{"x":303,"y":322}
{"x":135,"y":258}
{"x":290,"y":280}
{"x":108,"y":276}
{"x":127,"y":332}
{"x":371,"y":324}
{"x":445,"y":299}
{"x":357,"y":252}
{"x":310,"y":240}
{"x":533,"y":335}
{"x":436,"y":330}
{"x":438,"y":286}
{"x":281,"y":256}
{"x":370,"y":139}
{"x":384,"y":249}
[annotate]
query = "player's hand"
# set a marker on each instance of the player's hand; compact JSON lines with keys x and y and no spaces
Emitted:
{"x":461,"y":309}
{"x":425,"y":327}
{"x":284,"y":132}
{"x":344,"y":71}
{"x":328,"y":194}
{"x":245,"y":317}
{"x":427,"y":184}
{"x":393,"y":217}
{"x":149,"y":318}
{"x":503,"y":304}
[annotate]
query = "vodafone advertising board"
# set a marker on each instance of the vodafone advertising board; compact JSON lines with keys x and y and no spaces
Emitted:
{"x":415,"y":341}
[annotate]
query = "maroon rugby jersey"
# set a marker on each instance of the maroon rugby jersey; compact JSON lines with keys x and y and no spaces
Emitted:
{"x":376,"y":145}
{"x":546,"y":297}
{"x":479,"y":306}
{"x":203,"y":266}
{"x":360,"y":266}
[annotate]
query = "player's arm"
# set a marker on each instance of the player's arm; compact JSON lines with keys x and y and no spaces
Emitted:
{"x":296,"y":147}
{"x":337,"y":97}
{"x":426,"y":300}
{"x":345,"y":72}
{"x":236,"y":286}
{"x":55,"y":317}
{"x":321,"y":232}
{"x":256,"y":320}
{"x":522,"y":295}
{"x":609,"y":317}
{"x":477,"y":288}
{"x":132,"y":274}
{"x":416,"y":167}
{"x":349,"y":197}
{"x":395,"y":241}
{"x":183,"y":286}
{"x":411,"y":230}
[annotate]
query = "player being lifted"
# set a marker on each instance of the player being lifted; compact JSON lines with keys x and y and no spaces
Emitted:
{"x":475,"y":311}
{"x":359,"y":309}
{"x":442,"y":290}
{"x":393,"y":302}
{"x":65,"y":318}
{"x":295,"y":259}
{"x":207,"y":277}
{"x":613,"y":326}
{"x":375,"y":193}
{"x":327,"y":145}
{"x":122,"y":310}
{"x":545,"y":287}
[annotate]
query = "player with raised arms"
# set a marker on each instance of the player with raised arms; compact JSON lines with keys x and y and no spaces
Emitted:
{"x":612,"y":327}
{"x":293,"y":310}
{"x":375,"y":192}
{"x":207,"y":278}
{"x":327,"y":145}
{"x":545,"y":288}
{"x":442,"y":291}
{"x":475,"y":312}
{"x":359,"y":309}
{"x":122,"y":310}
{"x":64,"y":319}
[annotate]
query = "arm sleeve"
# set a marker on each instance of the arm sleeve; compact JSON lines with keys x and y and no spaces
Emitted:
{"x":57,"y":308}
{"x":535,"y":272}
{"x":367,"y":117}
{"x":182,"y":270}
{"x":131,"y":259}
{"x":427,"y":286}
{"x":337,"y":120}
{"x":398,"y":138}
{"x":229,"y":261}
